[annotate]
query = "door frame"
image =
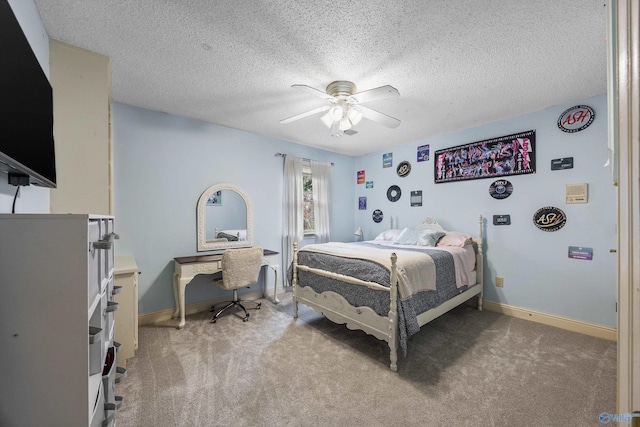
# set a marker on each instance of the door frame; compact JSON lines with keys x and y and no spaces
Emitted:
{"x":624,"y":142}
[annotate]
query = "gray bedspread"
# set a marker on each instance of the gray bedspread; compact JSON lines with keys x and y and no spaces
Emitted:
{"x":359,"y":296}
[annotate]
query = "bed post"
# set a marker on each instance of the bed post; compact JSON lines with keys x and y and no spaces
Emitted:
{"x":480,"y":264}
{"x":390,"y":223}
{"x":294,"y":280}
{"x":393,"y":314}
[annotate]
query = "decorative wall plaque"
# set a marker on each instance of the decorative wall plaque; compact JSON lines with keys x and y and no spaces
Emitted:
{"x":423,"y":153}
{"x":560,"y":164}
{"x":362,"y":203}
{"x":581,"y":252}
{"x":416,"y":198}
{"x":549,"y":218}
{"x":387,"y":160}
{"x":403,"y":169}
{"x":500,"y":189}
{"x":377,"y":215}
{"x":576,"y":118}
{"x":394,"y":193}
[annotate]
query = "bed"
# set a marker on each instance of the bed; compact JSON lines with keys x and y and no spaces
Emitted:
{"x":392,"y":286}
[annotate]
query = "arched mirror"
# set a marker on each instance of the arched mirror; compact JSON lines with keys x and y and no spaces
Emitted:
{"x":224,"y":218}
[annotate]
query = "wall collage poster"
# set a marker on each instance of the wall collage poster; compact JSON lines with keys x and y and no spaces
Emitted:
{"x":502,"y":156}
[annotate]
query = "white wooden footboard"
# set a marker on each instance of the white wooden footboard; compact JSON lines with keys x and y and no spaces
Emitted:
{"x":337,"y":309}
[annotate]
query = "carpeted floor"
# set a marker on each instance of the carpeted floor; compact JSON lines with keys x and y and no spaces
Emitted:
{"x":467,"y":368}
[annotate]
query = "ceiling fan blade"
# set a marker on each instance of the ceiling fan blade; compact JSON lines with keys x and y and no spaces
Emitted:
{"x":308,"y":113}
{"x":374,"y":94}
{"x":381,"y":118}
{"x":313,"y":91}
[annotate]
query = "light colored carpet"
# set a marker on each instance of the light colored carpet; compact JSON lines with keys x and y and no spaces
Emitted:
{"x":467,"y":368}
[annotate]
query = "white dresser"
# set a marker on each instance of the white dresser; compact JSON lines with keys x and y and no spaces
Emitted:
{"x":58,"y":356}
{"x":126,"y":328}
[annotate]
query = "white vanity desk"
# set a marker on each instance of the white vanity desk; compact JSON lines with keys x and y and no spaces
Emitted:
{"x":186,"y":268}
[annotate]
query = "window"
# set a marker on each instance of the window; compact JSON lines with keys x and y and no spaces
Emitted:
{"x":307,"y":200}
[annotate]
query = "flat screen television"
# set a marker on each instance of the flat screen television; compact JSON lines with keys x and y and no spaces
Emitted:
{"x":26,"y":107}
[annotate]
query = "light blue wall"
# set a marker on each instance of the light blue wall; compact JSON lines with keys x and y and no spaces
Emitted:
{"x":32,"y":199}
{"x":537,"y":272}
{"x":163,"y":163}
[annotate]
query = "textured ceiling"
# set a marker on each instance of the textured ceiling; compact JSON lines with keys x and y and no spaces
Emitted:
{"x":457,"y":64}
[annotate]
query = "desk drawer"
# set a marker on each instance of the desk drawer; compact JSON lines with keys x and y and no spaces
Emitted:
{"x":203,"y":268}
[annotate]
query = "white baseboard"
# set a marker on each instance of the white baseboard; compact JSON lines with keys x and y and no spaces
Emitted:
{"x":163,"y":316}
{"x":579,"y":326}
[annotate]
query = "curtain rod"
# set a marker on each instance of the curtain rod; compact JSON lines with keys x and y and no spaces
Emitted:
{"x":284,"y":155}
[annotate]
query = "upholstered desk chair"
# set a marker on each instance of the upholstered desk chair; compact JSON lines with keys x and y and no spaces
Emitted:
{"x":240,"y":268}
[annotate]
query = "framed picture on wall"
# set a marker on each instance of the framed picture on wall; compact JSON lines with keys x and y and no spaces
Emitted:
{"x":502,"y":156}
{"x":362,"y":203}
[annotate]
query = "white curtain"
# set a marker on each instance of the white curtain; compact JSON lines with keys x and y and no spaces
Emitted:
{"x":293,"y":227}
{"x":321,"y":181}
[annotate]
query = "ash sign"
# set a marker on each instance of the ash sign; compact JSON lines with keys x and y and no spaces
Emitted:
{"x":576,"y":118}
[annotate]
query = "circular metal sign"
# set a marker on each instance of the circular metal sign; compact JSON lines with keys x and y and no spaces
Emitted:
{"x":576,"y":118}
{"x":394,"y":193}
{"x":549,"y":218}
{"x":403,"y":169}
{"x":500,"y":189}
{"x":377,"y":215}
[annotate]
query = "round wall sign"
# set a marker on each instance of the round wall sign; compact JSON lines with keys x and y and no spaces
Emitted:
{"x":403,"y":169}
{"x":377,"y":215}
{"x":500,"y":189}
{"x":394,"y":193}
{"x":549,"y":218}
{"x":576,"y":118}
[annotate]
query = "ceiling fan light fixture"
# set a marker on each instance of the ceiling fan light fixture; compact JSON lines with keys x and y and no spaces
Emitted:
{"x":345,"y":124}
{"x":337,"y":112}
{"x":354,"y":116}
{"x":327,"y":119}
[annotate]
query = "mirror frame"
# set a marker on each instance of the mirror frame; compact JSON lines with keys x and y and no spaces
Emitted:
{"x":203,"y":245}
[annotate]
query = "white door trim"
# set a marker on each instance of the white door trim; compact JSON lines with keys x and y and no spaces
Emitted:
{"x":624,"y":120}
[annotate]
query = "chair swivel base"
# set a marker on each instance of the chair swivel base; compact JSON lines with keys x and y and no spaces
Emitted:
{"x":236,"y":303}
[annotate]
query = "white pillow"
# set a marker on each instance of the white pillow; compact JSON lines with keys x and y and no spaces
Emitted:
{"x":409,"y":236}
{"x":389,"y":235}
{"x":430,"y":237}
{"x":414,"y":236}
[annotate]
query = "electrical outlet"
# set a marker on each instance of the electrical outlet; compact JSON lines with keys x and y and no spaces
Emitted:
{"x":499,"y":281}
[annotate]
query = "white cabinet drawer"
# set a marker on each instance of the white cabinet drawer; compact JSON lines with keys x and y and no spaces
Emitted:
{"x":95,"y":281}
{"x":107,"y":235}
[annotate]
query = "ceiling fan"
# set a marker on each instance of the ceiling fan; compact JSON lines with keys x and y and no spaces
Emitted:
{"x":344,"y":109}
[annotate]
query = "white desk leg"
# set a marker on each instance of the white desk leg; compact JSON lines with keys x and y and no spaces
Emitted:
{"x":176,"y":313}
{"x":265,"y":272}
{"x":182,"y":284}
{"x":275,"y":283}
